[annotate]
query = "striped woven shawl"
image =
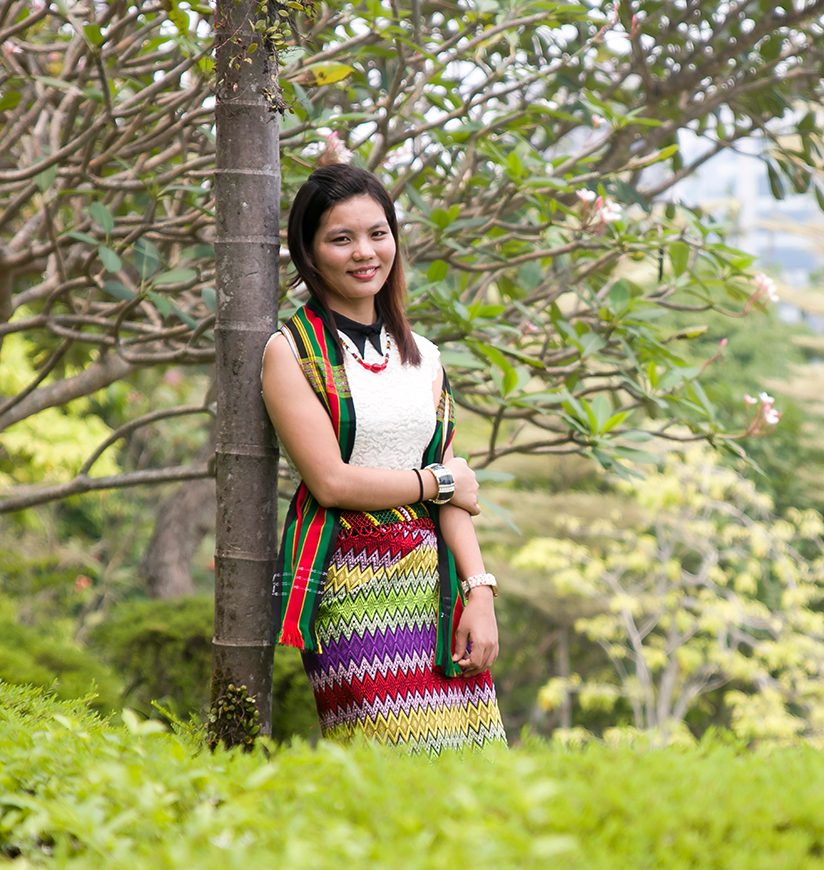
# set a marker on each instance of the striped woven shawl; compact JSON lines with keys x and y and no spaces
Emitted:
{"x":310,"y":531}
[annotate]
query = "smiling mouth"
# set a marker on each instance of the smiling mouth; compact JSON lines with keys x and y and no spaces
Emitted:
{"x":365,"y":273}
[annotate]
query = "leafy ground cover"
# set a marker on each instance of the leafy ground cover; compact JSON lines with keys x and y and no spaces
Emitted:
{"x":79,"y":790}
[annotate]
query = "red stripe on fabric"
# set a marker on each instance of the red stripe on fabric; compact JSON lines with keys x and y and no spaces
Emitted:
{"x":298,"y":595}
{"x":401,"y":686}
{"x":331,"y":391}
{"x":457,"y":610}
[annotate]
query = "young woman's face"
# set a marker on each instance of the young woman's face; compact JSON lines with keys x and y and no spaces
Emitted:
{"x":354,"y":251}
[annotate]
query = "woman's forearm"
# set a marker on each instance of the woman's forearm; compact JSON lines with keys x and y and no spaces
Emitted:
{"x":353,"y":487}
{"x":459,"y":535}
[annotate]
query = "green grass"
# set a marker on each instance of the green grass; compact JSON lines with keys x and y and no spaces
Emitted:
{"x":80,"y":791}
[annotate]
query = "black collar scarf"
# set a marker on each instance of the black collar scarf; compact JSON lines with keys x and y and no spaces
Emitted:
{"x":357,"y":333}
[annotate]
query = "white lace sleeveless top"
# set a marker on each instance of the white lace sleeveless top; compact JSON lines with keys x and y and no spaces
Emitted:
{"x":394,"y":408}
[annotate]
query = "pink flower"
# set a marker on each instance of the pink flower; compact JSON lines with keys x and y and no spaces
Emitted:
{"x":173,"y":377}
{"x":335,"y":151}
{"x":597,"y":121}
{"x":750,"y":400}
{"x":723,"y":343}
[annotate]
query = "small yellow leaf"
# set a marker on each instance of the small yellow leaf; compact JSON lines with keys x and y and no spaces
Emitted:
{"x":329,"y":73}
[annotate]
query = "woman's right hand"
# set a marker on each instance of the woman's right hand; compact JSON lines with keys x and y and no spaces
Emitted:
{"x":466,"y":485}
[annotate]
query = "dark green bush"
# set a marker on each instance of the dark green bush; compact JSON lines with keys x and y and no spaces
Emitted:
{"x":28,"y":656}
{"x":162,"y":649}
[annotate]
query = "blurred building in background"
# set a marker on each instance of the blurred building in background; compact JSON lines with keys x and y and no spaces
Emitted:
{"x":787,"y":235}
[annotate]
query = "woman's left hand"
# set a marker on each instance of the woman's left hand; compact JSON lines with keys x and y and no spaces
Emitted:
{"x":476,"y":640}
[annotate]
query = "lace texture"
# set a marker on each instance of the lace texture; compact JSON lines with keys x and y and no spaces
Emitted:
{"x":394,"y":409}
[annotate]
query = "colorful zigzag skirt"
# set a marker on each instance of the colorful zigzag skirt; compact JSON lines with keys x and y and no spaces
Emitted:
{"x":376,"y":625}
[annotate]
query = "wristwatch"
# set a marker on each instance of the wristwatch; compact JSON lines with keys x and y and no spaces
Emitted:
{"x":486,"y":579}
{"x":446,"y":483}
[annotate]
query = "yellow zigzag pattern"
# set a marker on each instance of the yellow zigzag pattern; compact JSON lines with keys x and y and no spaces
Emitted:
{"x":417,"y":567}
{"x":457,"y":726}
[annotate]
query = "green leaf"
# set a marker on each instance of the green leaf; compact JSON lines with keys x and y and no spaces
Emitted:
{"x":209,"y":297}
{"x":633,"y":455}
{"x":186,"y":318}
{"x":10,"y":100}
{"x":163,"y":305}
{"x":82,"y":237}
{"x":102,"y":217}
{"x":461,"y":359}
{"x":509,"y":382}
{"x":619,"y":294}
{"x":174,"y":276}
{"x":601,"y":410}
{"x":437,"y":271}
{"x":776,"y":183}
{"x":442,"y":218}
{"x":110,"y":259}
{"x":679,"y":254}
{"x":658,"y":156}
{"x":614,"y":420}
{"x":45,"y":179}
{"x":93,"y":34}
{"x":117,"y":289}
{"x":146,"y":258}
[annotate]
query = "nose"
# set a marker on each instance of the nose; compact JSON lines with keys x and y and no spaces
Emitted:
{"x":363,"y":249}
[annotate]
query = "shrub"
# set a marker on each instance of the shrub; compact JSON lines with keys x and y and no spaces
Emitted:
{"x":163,"y":650}
{"x":28,"y":656}
{"x":77,"y":790}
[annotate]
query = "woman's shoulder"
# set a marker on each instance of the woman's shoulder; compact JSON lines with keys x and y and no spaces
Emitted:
{"x":430,"y":355}
{"x":428,"y":349}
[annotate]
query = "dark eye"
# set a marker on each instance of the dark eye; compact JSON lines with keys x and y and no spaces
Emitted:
{"x":338,"y":239}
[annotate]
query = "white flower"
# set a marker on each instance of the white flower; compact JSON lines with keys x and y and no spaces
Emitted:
{"x":586,"y":195}
{"x":771,"y":416}
{"x":766,"y":399}
{"x":750,"y":400}
{"x":765,"y":287}
{"x":610,"y":212}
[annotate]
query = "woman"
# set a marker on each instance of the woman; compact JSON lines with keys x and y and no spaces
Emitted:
{"x":379,"y":530}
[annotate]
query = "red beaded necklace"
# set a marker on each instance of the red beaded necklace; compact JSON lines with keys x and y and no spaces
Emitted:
{"x":371,"y":367}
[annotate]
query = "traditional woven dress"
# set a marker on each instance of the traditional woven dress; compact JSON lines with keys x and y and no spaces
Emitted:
{"x":376,"y":625}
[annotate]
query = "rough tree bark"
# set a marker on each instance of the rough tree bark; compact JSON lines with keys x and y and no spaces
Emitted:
{"x":247,"y":187}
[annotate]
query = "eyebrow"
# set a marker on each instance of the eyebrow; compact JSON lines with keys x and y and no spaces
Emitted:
{"x":333,"y":230}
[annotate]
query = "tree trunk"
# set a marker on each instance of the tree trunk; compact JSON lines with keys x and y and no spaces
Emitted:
{"x":563,"y":668}
{"x":184,"y":518}
{"x":247,"y":194}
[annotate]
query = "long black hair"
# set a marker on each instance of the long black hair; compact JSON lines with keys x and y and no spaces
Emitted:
{"x":325,"y":188}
